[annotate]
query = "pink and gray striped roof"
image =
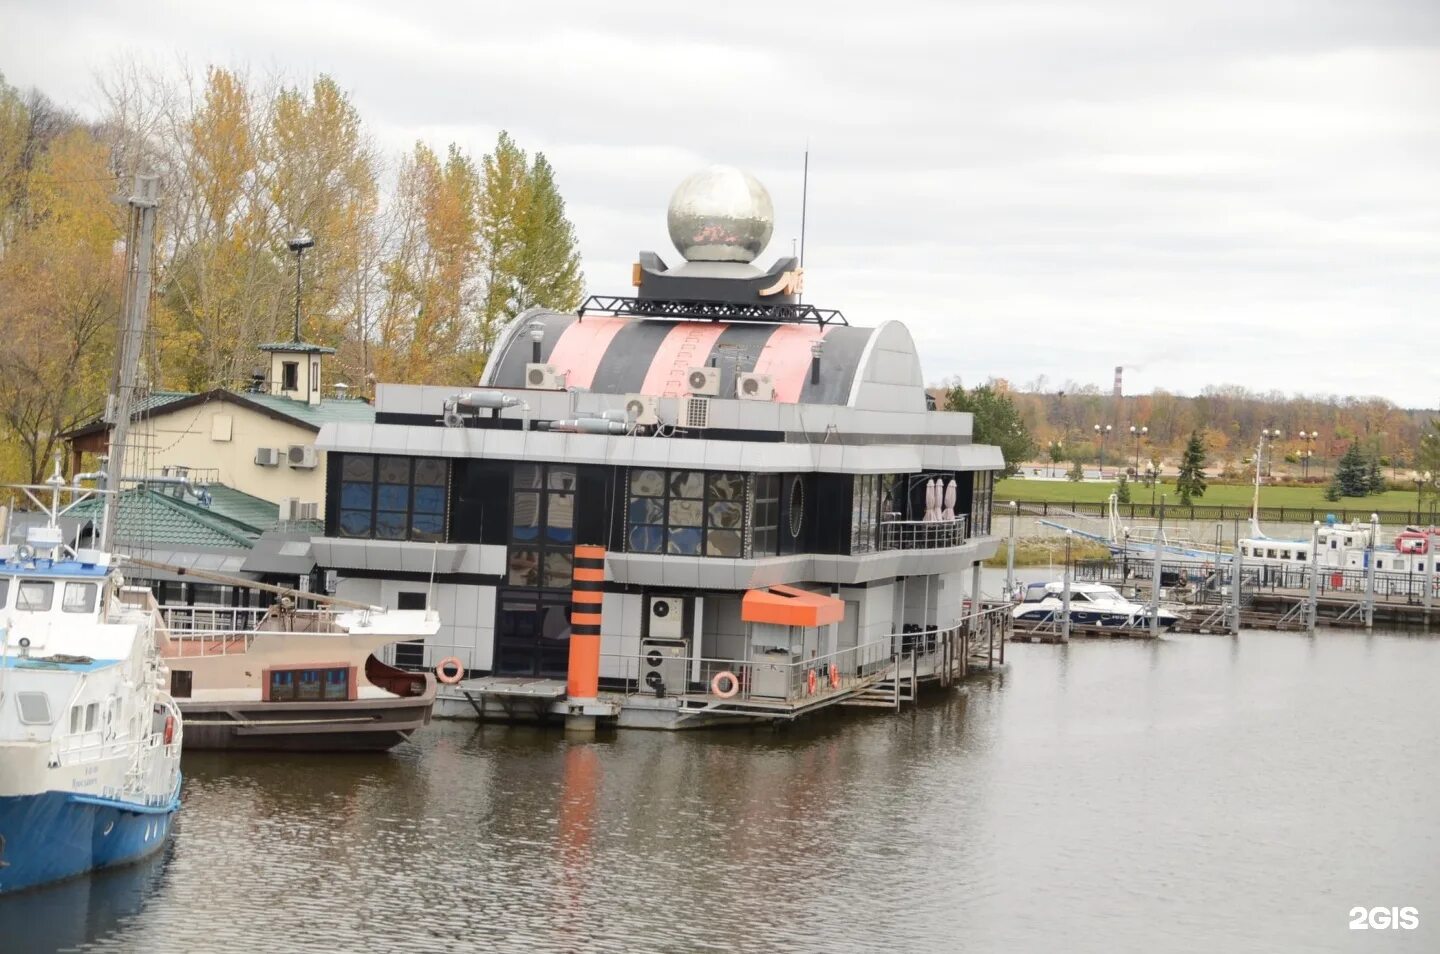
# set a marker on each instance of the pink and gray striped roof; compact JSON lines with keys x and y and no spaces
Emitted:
{"x":653,"y":356}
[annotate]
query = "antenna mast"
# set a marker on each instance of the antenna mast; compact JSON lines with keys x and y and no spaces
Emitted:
{"x":139,"y":247}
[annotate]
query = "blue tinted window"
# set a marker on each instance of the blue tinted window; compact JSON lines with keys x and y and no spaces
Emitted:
{"x":390,"y":525}
{"x":646,"y":539}
{"x":354,"y":523}
{"x":685,"y":541}
{"x":430,"y":499}
{"x":356,"y":496}
{"x":393,"y":497}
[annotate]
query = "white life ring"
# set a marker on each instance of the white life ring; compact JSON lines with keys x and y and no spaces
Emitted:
{"x":725,"y":677}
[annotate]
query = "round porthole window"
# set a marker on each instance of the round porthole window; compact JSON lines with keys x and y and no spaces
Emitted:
{"x":797,"y":507}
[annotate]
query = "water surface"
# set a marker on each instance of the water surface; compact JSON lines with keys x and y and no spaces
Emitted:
{"x":1197,"y":794}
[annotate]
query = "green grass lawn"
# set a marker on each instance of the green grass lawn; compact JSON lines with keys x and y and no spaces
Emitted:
{"x":1064,"y":491}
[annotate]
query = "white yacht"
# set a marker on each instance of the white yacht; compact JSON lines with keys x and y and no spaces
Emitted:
{"x":1091,"y":604}
{"x":89,"y":737}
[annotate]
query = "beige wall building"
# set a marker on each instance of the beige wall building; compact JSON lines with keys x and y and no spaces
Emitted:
{"x":259,"y":441}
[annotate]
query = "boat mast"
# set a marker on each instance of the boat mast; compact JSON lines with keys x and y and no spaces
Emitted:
{"x":1255,"y":500}
{"x":139,"y":246}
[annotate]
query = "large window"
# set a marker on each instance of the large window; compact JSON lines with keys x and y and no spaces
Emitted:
{"x":765,"y":518}
{"x":686,"y":512}
{"x":393,"y":498}
{"x":981,"y":500}
{"x":542,"y":528}
{"x":872,"y":503}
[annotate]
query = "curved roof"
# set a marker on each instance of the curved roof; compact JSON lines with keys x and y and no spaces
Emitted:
{"x":859,"y":367}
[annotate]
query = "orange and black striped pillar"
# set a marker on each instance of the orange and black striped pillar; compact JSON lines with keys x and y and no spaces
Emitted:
{"x":587,"y":593}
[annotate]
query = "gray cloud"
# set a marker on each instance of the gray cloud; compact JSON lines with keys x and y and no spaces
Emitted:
{"x":1223,"y":193}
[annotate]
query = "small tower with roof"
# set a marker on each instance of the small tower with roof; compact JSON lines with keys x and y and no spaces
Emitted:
{"x":295,"y":365}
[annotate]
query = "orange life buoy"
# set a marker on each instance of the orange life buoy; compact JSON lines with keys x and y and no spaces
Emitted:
{"x":834,"y":676}
{"x":169,"y":729}
{"x":811,"y":681}
{"x":450,"y":671}
{"x":725,"y":676}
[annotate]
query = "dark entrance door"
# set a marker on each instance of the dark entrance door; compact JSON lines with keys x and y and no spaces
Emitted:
{"x":532,"y":633}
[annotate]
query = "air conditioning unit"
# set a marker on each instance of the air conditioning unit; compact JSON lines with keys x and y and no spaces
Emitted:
{"x":267,"y":456}
{"x":694,"y":413}
{"x":642,"y":409}
{"x":287,"y":508}
{"x":703,"y":381}
{"x":302,"y":456}
{"x":754,"y":387}
{"x":663,"y":665}
{"x":543,"y":377}
{"x":306,"y":511}
{"x":667,"y":617}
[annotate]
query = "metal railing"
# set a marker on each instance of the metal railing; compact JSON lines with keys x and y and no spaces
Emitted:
{"x":1203,"y":579}
{"x":1142,"y":509}
{"x":758,"y":680}
{"x":921,"y":534}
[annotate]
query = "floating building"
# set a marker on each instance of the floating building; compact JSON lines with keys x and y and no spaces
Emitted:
{"x":708,"y":500}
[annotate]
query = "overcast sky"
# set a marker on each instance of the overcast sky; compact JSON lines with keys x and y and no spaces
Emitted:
{"x":1226,"y":192}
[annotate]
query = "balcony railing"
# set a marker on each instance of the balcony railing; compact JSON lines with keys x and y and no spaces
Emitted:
{"x":921,"y":534}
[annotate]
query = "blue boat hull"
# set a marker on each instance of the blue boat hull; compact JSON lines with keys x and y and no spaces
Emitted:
{"x":58,"y":835}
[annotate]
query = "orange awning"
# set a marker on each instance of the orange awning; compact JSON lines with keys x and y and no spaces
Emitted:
{"x":789,"y":606}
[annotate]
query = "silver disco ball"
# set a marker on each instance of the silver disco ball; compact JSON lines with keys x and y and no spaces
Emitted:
{"x":721,"y":214}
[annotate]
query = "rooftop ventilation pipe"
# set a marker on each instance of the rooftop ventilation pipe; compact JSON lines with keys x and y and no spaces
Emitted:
{"x":493,"y":401}
{"x":816,"y":347}
{"x":585,"y":425}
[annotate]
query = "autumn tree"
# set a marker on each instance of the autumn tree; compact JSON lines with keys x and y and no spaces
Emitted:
{"x":59,"y":295}
{"x":528,"y":248}
{"x":426,"y":325}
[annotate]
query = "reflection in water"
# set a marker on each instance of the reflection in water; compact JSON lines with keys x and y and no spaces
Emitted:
{"x":1198,"y":794}
{"x":68,"y":914}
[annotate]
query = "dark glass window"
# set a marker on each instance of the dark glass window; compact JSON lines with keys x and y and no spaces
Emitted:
{"x":980,"y":502}
{"x":393,"y":498}
{"x":686,"y":512}
{"x":765,"y":519}
{"x":309,"y":685}
{"x":290,"y":376}
{"x":542,"y":528}
{"x":410,"y":654}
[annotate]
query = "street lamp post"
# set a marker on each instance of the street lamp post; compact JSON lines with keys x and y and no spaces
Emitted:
{"x":1307,"y":452}
{"x":1102,"y":433}
{"x":1151,"y":476}
{"x":1138,"y":433}
{"x":1057,"y":451}
{"x":1420,"y":482}
{"x":1268,"y":436}
{"x":298,"y":245}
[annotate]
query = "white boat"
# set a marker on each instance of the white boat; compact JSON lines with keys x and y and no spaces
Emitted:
{"x":89,"y":737}
{"x":1091,"y":604}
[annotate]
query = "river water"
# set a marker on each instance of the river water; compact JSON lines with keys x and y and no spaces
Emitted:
{"x":1195,"y":794}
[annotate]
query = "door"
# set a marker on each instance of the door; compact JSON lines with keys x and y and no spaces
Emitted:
{"x":532,"y":633}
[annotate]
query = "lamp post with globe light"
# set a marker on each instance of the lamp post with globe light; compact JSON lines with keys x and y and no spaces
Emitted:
{"x":1306,"y":452}
{"x":1421,"y":481}
{"x":1268,"y":436}
{"x":1138,"y":433}
{"x":1102,"y":433}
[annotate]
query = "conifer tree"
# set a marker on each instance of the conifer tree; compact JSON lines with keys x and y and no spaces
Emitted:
{"x":1122,"y":489}
{"x":995,"y":422}
{"x":1076,"y":472}
{"x":1351,"y":474}
{"x":1191,"y":482}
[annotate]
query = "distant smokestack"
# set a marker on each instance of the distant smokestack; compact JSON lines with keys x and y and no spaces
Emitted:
{"x":1119,"y":371}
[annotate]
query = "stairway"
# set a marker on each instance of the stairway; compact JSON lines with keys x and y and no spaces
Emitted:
{"x":885,"y":694}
